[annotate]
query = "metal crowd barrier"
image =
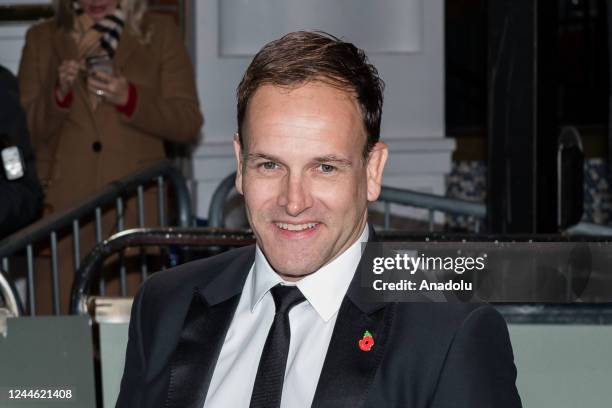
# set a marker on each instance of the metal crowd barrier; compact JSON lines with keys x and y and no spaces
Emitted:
{"x":216,"y":210}
{"x":570,"y":313}
{"x":115,"y":194}
{"x":145,"y":237}
{"x":432,"y":203}
{"x":8,"y":296}
{"x":589,"y":229}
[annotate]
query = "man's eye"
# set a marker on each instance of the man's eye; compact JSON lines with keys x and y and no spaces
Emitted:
{"x":269,"y":165}
{"x":326,"y":168}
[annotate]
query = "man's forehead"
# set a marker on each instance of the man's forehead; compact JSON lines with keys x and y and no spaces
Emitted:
{"x":267,"y":94}
{"x":314,"y":106}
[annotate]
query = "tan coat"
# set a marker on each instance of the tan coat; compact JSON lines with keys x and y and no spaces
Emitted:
{"x":167,"y":108}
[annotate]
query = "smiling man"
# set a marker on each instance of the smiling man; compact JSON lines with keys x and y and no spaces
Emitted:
{"x":306,"y":173}
{"x":281,"y":324}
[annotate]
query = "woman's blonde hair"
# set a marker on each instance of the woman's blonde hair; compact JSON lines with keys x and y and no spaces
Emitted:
{"x":134,"y":11}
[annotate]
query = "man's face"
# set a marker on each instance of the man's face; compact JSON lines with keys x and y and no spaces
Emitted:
{"x":303,"y":176}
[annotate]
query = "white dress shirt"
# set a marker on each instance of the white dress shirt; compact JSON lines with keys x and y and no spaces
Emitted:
{"x":312,"y":323}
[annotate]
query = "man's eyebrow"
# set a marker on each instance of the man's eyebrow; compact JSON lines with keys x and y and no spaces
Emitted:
{"x":331,"y":158}
{"x":260,"y":156}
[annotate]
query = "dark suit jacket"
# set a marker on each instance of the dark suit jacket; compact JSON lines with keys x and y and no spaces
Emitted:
{"x":433,"y":355}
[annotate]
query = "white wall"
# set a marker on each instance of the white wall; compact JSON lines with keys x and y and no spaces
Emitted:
{"x":410,"y":60}
{"x":12,"y":38}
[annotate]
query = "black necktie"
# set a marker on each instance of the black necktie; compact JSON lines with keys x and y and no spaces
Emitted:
{"x":268,"y":386}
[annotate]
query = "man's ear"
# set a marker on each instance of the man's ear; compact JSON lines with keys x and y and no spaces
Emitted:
{"x":238,"y":154}
{"x":375,"y":168}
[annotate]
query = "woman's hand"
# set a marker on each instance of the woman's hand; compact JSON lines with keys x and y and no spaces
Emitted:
{"x":112,"y":88}
{"x":67,"y":74}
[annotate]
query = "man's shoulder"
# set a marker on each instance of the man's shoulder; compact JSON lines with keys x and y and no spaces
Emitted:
{"x":423,"y":335}
{"x":454,"y":354}
{"x":164,"y":298}
{"x":185,"y":278}
{"x":445,"y":319}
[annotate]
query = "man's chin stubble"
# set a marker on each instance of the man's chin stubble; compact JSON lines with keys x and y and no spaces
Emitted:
{"x":294,"y":277}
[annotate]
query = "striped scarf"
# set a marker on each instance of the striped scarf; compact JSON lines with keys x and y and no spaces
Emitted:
{"x":110,"y":28}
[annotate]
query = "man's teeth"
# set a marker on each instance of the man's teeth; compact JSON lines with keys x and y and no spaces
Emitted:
{"x":295,"y":227}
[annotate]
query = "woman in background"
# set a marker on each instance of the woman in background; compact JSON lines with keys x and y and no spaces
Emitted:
{"x":104,"y":84}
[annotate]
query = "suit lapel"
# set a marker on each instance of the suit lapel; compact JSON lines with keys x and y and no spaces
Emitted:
{"x":196,"y":354}
{"x":348,"y":371}
{"x":208,"y":319}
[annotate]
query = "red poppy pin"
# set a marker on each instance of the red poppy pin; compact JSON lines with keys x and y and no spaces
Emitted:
{"x":367,"y":341}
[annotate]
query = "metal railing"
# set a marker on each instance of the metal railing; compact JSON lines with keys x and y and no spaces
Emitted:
{"x":570,"y":313}
{"x":432,"y":203}
{"x":216,"y":213}
{"x":8,"y":296}
{"x":48,"y":230}
{"x":589,"y":229}
{"x":144,"y":237}
{"x":388,"y":195}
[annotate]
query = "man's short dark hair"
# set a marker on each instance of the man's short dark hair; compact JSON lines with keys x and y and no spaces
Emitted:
{"x":301,"y":57}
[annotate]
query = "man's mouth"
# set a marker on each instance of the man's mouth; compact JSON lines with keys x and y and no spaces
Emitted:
{"x":296,"y":227}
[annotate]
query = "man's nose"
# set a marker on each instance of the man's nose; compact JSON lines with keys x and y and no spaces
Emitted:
{"x":295,"y":195}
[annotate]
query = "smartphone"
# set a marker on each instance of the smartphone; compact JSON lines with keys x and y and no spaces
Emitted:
{"x":99,"y":63}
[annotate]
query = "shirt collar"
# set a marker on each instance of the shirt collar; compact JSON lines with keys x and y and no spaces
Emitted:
{"x":324,"y":289}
